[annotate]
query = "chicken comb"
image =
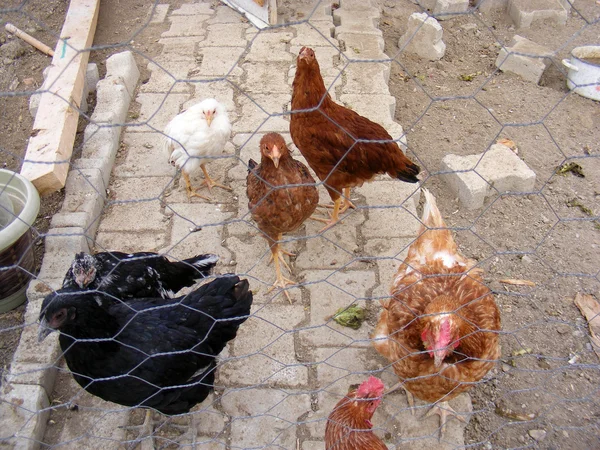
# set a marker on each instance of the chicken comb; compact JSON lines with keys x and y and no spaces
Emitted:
{"x":371,"y":388}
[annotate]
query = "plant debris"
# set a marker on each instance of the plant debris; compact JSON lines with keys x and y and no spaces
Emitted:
{"x":574,"y":203}
{"x":513,"y":415}
{"x":572,"y":167}
{"x":517,"y":282}
{"x":351,"y":317}
{"x":590,"y":308}
{"x":523,"y":351}
{"x":470,"y":76}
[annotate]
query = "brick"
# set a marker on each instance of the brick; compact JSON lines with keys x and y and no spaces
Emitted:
{"x":360,"y":46}
{"x":423,"y":37}
{"x":339,"y":290}
{"x":221,"y":90}
{"x":145,"y":156}
{"x":225,"y":35}
{"x":220,"y":61}
{"x":498,"y":167}
{"x":524,"y":58}
{"x":143,"y":188}
{"x":168,"y":75}
{"x":194,"y":9}
{"x":23,"y":416}
{"x":225,"y":14}
{"x":313,"y":34}
{"x":264,"y":417}
{"x":488,"y":6}
{"x":346,"y":17}
{"x":445,"y":9}
{"x":270,"y":46}
{"x":185,"y":26}
{"x":179,"y":48}
{"x":130,"y":216}
{"x":156,"y":111}
{"x":134,"y":241}
{"x":264,"y":349}
{"x":526,"y":12}
{"x":263,"y":112}
{"x":265,"y":78}
{"x":366,"y":78}
{"x":389,"y":254}
{"x":122,"y":69}
{"x":379,"y":108}
{"x":186,"y":216}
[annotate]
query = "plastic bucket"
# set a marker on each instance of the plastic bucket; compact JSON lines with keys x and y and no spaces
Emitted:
{"x":584,"y":71}
{"x":17,"y":259}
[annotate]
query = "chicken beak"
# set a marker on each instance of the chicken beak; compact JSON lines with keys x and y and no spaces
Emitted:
{"x":275,"y":155}
{"x":438,"y":357}
{"x":43,"y":330}
{"x":303,"y":53}
{"x":209,"y":117}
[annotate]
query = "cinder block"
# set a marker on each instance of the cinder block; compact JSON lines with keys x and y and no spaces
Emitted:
{"x":476,"y":177}
{"x":61,"y":246}
{"x":525,"y":12}
{"x":524,"y":58}
{"x":423,"y":37}
{"x":23,"y":416}
{"x":121,"y":67}
{"x":487,"y":6}
{"x":444,"y":9}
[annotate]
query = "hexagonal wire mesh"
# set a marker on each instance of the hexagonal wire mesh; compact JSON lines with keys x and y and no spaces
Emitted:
{"x":280,"y":378}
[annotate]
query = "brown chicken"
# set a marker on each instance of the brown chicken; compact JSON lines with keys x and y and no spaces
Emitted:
{"x":282,"y":195}
{"x":349,"y":424}
{"x":440,"y":326}
{"x":337,"y":142}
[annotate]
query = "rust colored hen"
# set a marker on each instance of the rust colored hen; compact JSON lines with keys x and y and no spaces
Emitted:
{"x":282,"y":195}
{"x":344,"y":148}
{"x":440,"y":327}
{"x":349,"y":424}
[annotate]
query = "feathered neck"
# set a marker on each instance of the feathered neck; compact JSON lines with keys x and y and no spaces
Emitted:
{"x":308,"y":86}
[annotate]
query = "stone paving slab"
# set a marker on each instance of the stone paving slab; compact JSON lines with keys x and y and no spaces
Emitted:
{"x":289,"y":365}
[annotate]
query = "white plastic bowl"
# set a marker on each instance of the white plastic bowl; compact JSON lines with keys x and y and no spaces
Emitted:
{"x":584,"y":75}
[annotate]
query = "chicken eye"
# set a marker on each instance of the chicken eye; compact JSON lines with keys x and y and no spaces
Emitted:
{"x":214,"y":111}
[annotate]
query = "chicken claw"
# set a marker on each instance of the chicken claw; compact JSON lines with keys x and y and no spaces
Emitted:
{"x":145,"y":436}
{"x":444,"y":410}
{"x":409,"y":397}
{"x":188,"y":187}
{"x":281,"y":281}
{"x":210,"y":183}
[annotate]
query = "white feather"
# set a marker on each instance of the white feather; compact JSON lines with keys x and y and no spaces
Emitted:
{"x":189,"y":141}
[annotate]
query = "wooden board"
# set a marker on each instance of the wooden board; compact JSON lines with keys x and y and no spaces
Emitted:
{"x":49,"y":150}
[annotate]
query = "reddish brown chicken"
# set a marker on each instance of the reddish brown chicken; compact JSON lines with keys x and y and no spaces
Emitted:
{"x":337,"y":142}
{"x":282,"y":195}
{"x":440,"y":326}
{"x":349,"y":424}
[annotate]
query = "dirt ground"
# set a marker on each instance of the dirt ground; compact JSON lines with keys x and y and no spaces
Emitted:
{"x":548,"y":368}
{"x":533,"y":237}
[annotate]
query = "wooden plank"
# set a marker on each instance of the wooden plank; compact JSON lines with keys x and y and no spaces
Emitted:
{"x":51,"y":145}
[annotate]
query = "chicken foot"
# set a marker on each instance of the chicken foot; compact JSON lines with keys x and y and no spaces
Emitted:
{"x":347,"y":202}
{"x":188,"y":187}
{"x":144,"y":437}
{"x":444,"y":410}
{"x":210,"y":182}
{"x":280,"y":281}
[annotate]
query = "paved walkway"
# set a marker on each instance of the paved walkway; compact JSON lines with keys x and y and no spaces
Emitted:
{"x":290,"y":364}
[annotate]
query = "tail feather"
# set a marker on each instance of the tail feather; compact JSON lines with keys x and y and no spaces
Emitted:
{"x":185,"y":273}
{"x":432,"y":218}
{"x":409,"y":173}
{"x":204,"y":263}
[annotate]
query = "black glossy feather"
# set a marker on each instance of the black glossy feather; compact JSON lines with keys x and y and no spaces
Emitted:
{"x":158,"y":353}
{"x":137,"y":275}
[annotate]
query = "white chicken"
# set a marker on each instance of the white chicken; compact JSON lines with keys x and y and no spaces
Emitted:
{"x":193,"y":137}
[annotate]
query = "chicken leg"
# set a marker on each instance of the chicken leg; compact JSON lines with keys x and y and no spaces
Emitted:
{"x":409,"y":397}
{"x":280,"y":281}
{"x":210,"y":183}
{"x":347,"y":202}
{"x":188,"y":187}
{"x":144,"y":437}
{"x":444,"y":410}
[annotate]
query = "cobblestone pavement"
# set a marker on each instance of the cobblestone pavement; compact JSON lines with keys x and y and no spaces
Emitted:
{"x":279,"y":379}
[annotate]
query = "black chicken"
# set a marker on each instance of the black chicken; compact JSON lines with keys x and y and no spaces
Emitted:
{"x":136,"y":275}
{"x":148,"y":352}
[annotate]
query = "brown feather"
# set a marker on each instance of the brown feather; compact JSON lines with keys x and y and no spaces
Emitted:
{"x":274,"y":207}
{"x":331,"y":137}
{"x":436,"y":279}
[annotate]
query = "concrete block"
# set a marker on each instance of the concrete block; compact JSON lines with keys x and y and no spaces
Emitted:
{"x":186,"y":26}
{"x":346,"y":17}
{"x":264,"y":112}
{"x":524,"y":58}
{"x":225,"y":14}
{"x":271,"y":47}
{"x":92,"y":76}
{"x":526,"y":12}
{"x":126,"y":216}
{"x":179,"y":49}
{"x":156,"y":111}
{"x":264,"y":417}
{"x":194,"y":9}
{"x":445,"y":9}
{"x":33,"y":373}
{"x":23,"y":416}
{"x":121,"y":68}
{"x":487,"y":6}
{"x":341,"y":290}
{"x":265,"y":78}
{"x":221,"y":61}
{"x":145,"y":157}
{"x":61,"y":246}
{"x":498,"y":169}
{"x":169,"y":75}
{"x":376,"y":107}
{"x":360,"y":46}
{"x":225,"y":35}
{"x":423,"y":37}
{"x":159,"y":13}
{"x":316,"y":34}
{"x":66,"y":219}
{"x":264,"y":349}
{"x":366,"y":78}
{"x":134,"y":241}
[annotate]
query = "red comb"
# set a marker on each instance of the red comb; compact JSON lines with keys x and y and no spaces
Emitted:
{"x":371,"y":388}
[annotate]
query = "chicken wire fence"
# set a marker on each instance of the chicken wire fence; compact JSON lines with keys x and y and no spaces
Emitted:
{"x":279,"y":379}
